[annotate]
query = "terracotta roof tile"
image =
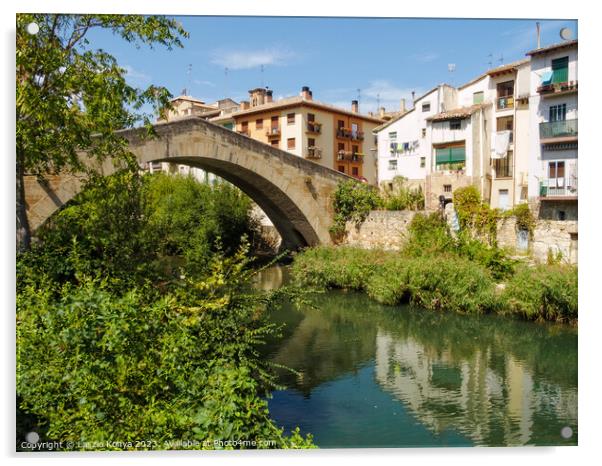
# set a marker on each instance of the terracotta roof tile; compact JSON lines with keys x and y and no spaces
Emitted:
{"x":461,"y":112}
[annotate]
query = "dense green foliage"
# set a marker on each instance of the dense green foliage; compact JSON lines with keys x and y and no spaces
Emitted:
{"x":352,"y":202}
{"x":525,"y":220}
{"x":476,"y":217}
{"x":401,"y":197}
{"x":114,"y":344}
{"x":72,"y":98}
{"x":437,"y":271}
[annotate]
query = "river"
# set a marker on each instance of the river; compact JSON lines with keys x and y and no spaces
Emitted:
{"x":368,"y":375}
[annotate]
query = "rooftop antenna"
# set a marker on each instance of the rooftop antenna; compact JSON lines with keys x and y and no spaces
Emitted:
{"x":501,"y":59}
{"x":359,"y":93}
{"x":378,"y":101}
{"x":490,"y":62}
{"x":189,"y":73}
{"x":261,"y":75}
{"x":451,"y":67}
{"x":538,"y":35}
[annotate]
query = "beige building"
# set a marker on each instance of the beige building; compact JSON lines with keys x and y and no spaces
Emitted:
{"x":330,"y":136}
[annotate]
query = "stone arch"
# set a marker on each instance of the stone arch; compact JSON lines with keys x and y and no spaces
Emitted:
{"x":295,"y":193}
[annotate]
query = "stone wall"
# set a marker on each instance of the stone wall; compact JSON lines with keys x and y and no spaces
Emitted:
{"x":382,"y":229}
{"x":387,"y":230}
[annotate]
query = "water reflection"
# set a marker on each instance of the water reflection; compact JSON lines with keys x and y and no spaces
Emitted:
{"x":448,"y":379}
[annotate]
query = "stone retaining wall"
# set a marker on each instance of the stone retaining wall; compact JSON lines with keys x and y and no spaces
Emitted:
{"x":387,"y":230}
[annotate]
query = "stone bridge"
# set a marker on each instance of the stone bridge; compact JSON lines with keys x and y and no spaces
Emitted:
{"x":294,"y":193}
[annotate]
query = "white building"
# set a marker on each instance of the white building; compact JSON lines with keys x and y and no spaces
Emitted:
{"x":404,"y":142}
{"x":554,"y":132}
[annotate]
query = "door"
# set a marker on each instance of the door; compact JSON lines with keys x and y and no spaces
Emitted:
{"x":504,"y":199}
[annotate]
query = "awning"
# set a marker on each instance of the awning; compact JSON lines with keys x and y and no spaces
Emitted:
{"x":546,"y":78}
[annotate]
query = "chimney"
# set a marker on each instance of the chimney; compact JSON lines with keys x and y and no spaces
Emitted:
{"x":381,"y":112}
{"x":402,"y":105}
{"x":354,"y":106}
{"x":306,"y":93}
{"x":413,"y":97}
{"x":268,"y":96}
{"x":244,"y":105}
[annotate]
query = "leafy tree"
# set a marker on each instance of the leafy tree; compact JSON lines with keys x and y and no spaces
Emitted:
{"x":71,"y":98}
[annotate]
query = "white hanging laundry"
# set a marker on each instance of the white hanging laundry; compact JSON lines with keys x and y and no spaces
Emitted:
{"x":501,"y":144}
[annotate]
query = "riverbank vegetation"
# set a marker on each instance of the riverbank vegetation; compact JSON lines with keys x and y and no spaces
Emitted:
{"x":438,"y":271}
{"x":136,"y":328}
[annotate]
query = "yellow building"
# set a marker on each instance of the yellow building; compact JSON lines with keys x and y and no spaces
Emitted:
{"x":330,"y":136}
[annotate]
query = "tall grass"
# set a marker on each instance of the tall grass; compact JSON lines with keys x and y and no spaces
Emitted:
{"x":446,"y":282}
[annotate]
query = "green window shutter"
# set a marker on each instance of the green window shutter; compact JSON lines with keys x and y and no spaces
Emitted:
{"x":442,"y":156}
{"x":560,"y":70}
{"x":457,"y":154}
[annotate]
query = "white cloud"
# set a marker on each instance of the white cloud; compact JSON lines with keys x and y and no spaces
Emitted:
{"x":246,"y":59}
{"x":199,"y":82}
{"x":426,"y":57}
{"x":135,"y":75}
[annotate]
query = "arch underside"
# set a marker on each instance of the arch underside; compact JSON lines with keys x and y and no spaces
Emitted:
{"x":292,"y":224}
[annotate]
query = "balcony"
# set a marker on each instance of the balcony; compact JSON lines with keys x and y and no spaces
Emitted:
{"x":344,"y":133}
{"x":273,"y":132}
{"x":558,"y":188}
{"x":350,"y":156}
{"x":313,"y":127}
{"x":557,"y":89}
{"x":314,"y":153}
{"x":558,"y":131}
{"x":505,"y":102}
{"x":357,"y":135}
{"x":244,"y":132}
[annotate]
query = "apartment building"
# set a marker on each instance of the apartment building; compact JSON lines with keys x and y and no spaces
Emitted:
{"x":404,"y":144}
{"x":476,"y":134}
{"x":553,"y":177}
{"x":330,"y":136}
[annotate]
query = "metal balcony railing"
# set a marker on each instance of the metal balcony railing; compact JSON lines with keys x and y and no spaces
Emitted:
{"x":505,"y":102}
{"x":558,"y":129}
{"x":314,"y":127}
{"x":314,"y":153}
{"x":274,"y":131}
{"x":558,"y":187}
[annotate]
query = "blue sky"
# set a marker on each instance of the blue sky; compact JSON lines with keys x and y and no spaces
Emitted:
{"x":385,"y":59}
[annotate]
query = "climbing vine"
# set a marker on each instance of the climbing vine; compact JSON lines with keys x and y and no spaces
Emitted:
{"x":525,"y":220}
{"x":352,"y":201}
{"x":475,"y":216}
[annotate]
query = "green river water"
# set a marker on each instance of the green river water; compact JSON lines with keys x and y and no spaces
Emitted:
{"x":377,"y":376}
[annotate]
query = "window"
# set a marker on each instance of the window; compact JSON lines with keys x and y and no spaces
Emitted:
{"x":244,"y":126}
{"x":558,"y":112}
{"x":450,"y":158}
{"x":393,"y":164}
{"x":422,"y":162}
{"x":340,"y":124}
{"x":341,"y":168}
{"x":340,"y":146}
{"x":447,"y":188}
{"x":477,"y":97}
{"x":274,"y":122}
{"x":290,"y":143}
{"x":506,"y":124}
{"x":426,"y":107}
{"x":423,"y":132}
{"x":355,"y":171}
{"x":560,"y":70}
{"x":290,"y":119}
{"x":354,"y":130}
{"x":311,"y":117}
{"x":503,"y":167}
{"x":275,"y":143}
{"x":393,"y":136}
{"x":259,"y":124}
{"x":556,"y":174}
{"x":311,"y":142}
{"x":505,"y":89}
{"x":354,"y":149}
{"x":561,"y":215}
{"x":455,"y":124}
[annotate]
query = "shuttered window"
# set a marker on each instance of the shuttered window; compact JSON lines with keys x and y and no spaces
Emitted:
{"x":450,"y":155}
{"x":560,"y":70}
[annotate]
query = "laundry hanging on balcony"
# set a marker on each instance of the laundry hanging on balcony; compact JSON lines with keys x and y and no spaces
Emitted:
{"x":501,"y":142}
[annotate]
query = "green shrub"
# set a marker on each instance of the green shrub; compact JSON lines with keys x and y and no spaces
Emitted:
{"x":352,"y":201}
{"x":428,"y":235}
{"x":543,"y":293}
{"x":476,"y":218}
{"x":98,"y":366}
{"x":400,"y":197}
